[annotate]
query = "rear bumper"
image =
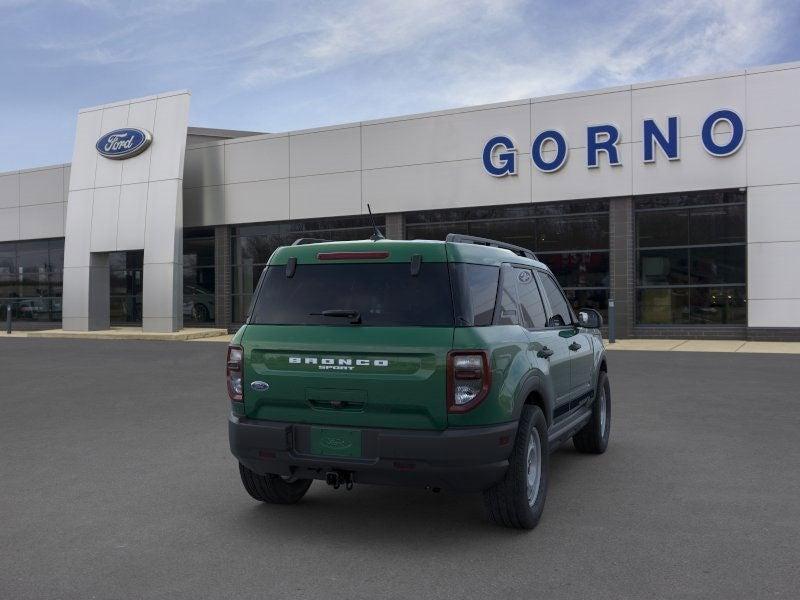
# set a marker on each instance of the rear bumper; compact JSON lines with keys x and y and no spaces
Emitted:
{"x":462,"y":459}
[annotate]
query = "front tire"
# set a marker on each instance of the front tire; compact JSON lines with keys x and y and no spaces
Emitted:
{"x":593,"y":437}
{"x":273,"y":489}
{"x":518,"y":500}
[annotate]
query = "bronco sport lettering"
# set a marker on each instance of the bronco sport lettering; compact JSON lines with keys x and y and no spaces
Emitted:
{"x":345,"y":363}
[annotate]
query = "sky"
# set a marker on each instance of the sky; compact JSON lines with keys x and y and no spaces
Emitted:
{"x":283,"y":65}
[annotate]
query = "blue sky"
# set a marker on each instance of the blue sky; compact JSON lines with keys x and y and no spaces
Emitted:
{"x":277,"y":66}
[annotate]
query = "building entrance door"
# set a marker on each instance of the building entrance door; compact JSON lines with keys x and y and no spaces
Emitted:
{"x":126,"y":287}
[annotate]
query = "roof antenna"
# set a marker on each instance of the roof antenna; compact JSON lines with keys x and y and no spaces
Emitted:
{"x":377,"y":235}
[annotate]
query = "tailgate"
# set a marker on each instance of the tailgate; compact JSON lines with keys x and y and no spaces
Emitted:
{"x":354,"y":376}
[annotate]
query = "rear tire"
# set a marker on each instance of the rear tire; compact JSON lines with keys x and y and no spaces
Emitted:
{"x":518,"y":500}
{"x":593,"y":437}
{"x":273,"y":489}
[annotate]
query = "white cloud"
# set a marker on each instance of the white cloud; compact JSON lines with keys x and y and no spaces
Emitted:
{"x":469,"y":51}
{"x":668,"y":41}
{"x":328,"y":38}
{"x":455,"y":53}
{"x":142,"y":8}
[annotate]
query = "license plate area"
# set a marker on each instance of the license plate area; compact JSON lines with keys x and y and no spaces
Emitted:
{"x":332,"y":441}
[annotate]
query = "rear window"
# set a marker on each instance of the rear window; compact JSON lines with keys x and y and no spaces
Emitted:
{"x":384,"y":295}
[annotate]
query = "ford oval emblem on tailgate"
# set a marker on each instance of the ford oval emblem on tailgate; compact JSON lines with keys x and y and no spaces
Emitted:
{"x":259,"y":386}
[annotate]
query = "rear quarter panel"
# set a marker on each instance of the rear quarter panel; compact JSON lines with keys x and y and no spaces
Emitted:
{"x":508,"y":359}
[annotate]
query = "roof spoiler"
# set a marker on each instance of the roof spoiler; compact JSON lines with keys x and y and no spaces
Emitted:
{"x":304,"y":241}
{"x":471,"y":239}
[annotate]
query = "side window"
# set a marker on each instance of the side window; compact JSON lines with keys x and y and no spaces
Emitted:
{"x":474,"y":291}
{"x":507,"y":299}
{"x":530,"y":301}
{"x":561,"y":312}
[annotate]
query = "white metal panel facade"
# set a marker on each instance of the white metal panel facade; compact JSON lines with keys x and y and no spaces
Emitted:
{"x":132,"y":204}
{"x":429,"y":161}
{"x":33,"y":203}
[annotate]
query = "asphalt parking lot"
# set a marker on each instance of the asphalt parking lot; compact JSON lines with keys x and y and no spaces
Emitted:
{"x":116,"y":482}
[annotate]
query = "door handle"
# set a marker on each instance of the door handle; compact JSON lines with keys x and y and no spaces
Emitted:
{"x":574,"y":346}
{"x":545,"y":352}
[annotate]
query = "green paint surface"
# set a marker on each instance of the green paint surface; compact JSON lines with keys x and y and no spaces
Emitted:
{"x":336,"y":377}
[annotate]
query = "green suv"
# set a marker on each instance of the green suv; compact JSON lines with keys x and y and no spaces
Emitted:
{"x":452,"y":365}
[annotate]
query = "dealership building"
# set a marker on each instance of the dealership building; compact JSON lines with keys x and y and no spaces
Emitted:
{"x":677,"y":200}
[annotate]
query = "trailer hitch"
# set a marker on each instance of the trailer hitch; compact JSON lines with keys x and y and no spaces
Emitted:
{"x":338,"y":478}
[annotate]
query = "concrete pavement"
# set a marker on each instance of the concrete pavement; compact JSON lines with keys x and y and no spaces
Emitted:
{"x":129,"y":333}
{"x":659,"y":345}
{"x":117,"y":482}
{"x":221,"y":335}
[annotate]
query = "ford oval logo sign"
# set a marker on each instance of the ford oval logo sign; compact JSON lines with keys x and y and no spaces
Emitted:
{"x":123,"y":143}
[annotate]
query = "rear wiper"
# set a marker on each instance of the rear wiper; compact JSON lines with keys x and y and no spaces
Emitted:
{"x":353,"y":315}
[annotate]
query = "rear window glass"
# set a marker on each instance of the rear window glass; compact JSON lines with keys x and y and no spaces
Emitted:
{"x":383,"y":294}
{"x":475,"y":292}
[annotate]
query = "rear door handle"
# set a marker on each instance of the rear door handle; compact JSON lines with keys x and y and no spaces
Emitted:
{"x":545,"y":352}
{"x":574,"y":346}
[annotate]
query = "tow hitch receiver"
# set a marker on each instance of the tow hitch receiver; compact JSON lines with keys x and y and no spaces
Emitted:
{"x":339,"y":478}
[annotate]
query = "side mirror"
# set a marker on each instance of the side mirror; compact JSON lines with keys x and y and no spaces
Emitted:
{"x":590,"y":318}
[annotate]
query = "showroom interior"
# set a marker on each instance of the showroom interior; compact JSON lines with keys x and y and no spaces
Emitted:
{"x":686,"y":252}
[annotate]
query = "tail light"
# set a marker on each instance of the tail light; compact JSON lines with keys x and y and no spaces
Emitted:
{"x":234,"y":372}
{"x":468,"y":379}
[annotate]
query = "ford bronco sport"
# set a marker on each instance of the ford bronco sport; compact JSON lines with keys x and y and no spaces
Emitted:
{"x":456,"y":365}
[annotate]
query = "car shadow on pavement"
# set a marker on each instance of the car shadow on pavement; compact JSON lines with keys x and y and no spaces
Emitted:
{"x":383,"y":514}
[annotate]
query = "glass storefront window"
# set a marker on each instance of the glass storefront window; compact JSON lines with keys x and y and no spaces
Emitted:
{"x":662,"y":228}
{"x":718,"y":264}
{"x":246,"y":277}
{"x":585,"y":232}
{"x":589,"y":298}
{"x":198,"y":252}
{"x":439,"y":231}
{"x":691,"y":259}
{"x":578,"y":269}
{"x":725,"y":224}
{"x":30,"y":279}
{"x":572,"y":238}
{"x":657,"y":306}
{"x":240,"y":306}
{"x":8,"y":258}
{"x":718,"y":305}
{"x":667,"y":266}
{"x":199,"y":277}
{"x":125,"y":270}
{"x":33,"y":257}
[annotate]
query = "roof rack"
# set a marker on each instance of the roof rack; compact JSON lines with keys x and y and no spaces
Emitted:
{"x":304,"y":241}
{"x":471,"y":239}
